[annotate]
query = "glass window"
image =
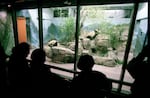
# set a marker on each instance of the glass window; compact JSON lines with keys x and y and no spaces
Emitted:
{"x":59,"y":26}
{"x":28,"y":27}
{"x":104,"y":33}
{"x":140,"y":37}
{"x":6,"y":31}
{"x":140,"y":29}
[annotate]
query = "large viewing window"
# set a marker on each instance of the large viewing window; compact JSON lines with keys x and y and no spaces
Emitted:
{"x":68,"y":32}
{"x":28,"y":28}
{"x":140,"y":37}
{"x":103,"y":34}
{"x":59,"y":36}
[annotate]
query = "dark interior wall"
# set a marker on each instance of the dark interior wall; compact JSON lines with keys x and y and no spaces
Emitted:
{"x":51,"y":3}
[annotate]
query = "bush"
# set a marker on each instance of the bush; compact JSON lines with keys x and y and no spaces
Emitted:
{"x":68,"y":30}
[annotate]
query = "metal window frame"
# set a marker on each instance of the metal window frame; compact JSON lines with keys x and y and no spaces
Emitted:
{"x":120,"y":82}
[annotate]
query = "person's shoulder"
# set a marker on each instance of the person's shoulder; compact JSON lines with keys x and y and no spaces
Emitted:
{"x":98,"y":73}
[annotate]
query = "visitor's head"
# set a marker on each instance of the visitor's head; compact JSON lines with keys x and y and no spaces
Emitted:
{"x":85,"y":63}
{"x":21,"y":50}
{"x":38,"y":55}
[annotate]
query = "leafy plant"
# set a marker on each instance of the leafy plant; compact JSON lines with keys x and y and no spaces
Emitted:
{"x":114,"y":31}
{"x":68,"y":30}
{"x":7,"y":39}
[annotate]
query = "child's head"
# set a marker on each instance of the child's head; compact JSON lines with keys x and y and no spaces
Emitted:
{"x":86,"y":62}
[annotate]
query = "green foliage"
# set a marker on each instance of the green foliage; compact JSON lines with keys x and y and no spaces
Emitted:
{"x":114,"y":31}
{"x":114,"y":40}
{"x":7,"y":39}
{"x":105,"y":27}
{"x":103,"y":51}
{"x":120,"y":62}
{"x":54,"y":32}
{"x":68,"y":30}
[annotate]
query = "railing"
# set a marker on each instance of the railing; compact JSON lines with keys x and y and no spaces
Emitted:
{"x":76,"y":72}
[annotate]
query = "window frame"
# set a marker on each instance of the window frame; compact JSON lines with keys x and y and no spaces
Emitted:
{"x":132,"y":24}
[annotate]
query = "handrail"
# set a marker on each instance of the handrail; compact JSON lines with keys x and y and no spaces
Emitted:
{"x":76,"y":72}
{"x":63,"y":69}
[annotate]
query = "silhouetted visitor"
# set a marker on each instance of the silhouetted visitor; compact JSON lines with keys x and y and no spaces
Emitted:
{"x":44,"y":82}
{"x":40,"y":73}
{"x":18,"y":68}
{"x":90,"y":83}
{"x":139,"y":68}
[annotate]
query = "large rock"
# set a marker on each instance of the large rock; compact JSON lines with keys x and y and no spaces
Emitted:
{"x":90,"y":35}
{"x":85,"y":42}
{"x":106,"y":61}
{"x":48,"y":51}
{"x":102,"y":40}
{"x":71,"y":45}
{"x":62,"y":55}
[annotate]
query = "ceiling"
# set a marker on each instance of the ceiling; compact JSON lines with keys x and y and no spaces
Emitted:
{"x":20,"y":4}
